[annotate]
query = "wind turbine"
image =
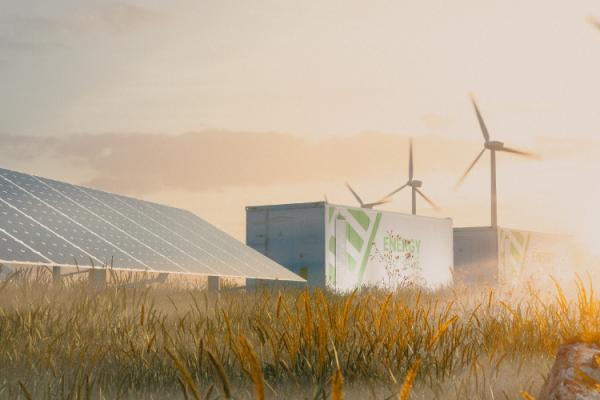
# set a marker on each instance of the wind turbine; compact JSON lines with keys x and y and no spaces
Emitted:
{"x":363,"y":204}
{"x":493,"y":146}
{"x":413,"y":184}
{"x":594,"y":22}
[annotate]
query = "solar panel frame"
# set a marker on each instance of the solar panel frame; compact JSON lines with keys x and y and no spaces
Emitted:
{"x":89,"y":224}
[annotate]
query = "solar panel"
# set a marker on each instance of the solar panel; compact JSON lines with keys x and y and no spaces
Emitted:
{"x":55,"y":223}
{"x":17,"y":251}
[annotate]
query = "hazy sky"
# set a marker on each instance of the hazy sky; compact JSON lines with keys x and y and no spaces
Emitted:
{"x":323,"y":67}
{"x":204,"y":77}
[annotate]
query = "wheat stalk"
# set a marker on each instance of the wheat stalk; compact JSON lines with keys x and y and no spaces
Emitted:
{"x":256,"y":374}
{"x":221,"y":372}
{"x":185,"y":373}
{"x":409,"y":380}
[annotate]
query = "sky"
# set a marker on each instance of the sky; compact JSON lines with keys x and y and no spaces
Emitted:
{"x":215,"y":105}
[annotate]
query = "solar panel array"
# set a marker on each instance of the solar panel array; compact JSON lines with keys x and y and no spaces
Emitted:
{"x":46,"y":222}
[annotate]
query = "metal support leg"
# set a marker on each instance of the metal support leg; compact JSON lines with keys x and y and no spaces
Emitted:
{"x":97,"y":278}
{"x":214,"y":284}
{"x":56,"y":274}
{"x":162,"y":277}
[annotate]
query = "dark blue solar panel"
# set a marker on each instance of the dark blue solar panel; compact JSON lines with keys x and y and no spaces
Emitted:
{"x":12,"y":250}
{"x":199,"y":257}
{"x":236,"y":252}
{"x":50,"y":222}
{"x":46,"y":230}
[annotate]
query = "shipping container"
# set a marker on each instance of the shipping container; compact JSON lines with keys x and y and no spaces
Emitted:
{"x":342,"y":248}
{"x":488,"y":256}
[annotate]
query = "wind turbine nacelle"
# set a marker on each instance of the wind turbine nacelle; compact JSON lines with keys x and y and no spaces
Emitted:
{"x":415,"y":184}
{"x":494,"y":145}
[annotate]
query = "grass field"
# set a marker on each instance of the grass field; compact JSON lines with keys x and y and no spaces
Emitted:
{"x":67,"y":341}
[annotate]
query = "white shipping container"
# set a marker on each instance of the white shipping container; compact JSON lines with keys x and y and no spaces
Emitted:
{"x":343,"y":247}
{"x":511,"y":257}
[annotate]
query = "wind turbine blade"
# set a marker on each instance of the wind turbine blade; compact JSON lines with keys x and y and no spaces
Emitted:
{"x":427,"y":199}
{"x":356,"y":196}
{"x":462,"y":178}
{"x":410,"y":161}
{"x":595,"y":23}
{"x":523,"y":153}
{"x":377,"y":203}
{"x":484,"y":130}
{"x":396,"y":191}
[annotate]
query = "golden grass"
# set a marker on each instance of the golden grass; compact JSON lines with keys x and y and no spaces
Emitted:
{"x":66,"y":341}
{"x":526,"y":395}
{"x":407,"y":385}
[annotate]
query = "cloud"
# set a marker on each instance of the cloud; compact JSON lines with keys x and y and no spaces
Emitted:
{"x":216,"y":159}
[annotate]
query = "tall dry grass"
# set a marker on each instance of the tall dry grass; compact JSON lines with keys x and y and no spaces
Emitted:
{"x":67,"y":341}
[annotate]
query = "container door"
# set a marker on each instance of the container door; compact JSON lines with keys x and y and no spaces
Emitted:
{"x":257,"y":230}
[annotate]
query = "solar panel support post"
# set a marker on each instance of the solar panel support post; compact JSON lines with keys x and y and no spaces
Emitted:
{"x":97,"y":278}
{"x":162,"y":277}
{"x":214,"y":284}
{"x":56,"y":274}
